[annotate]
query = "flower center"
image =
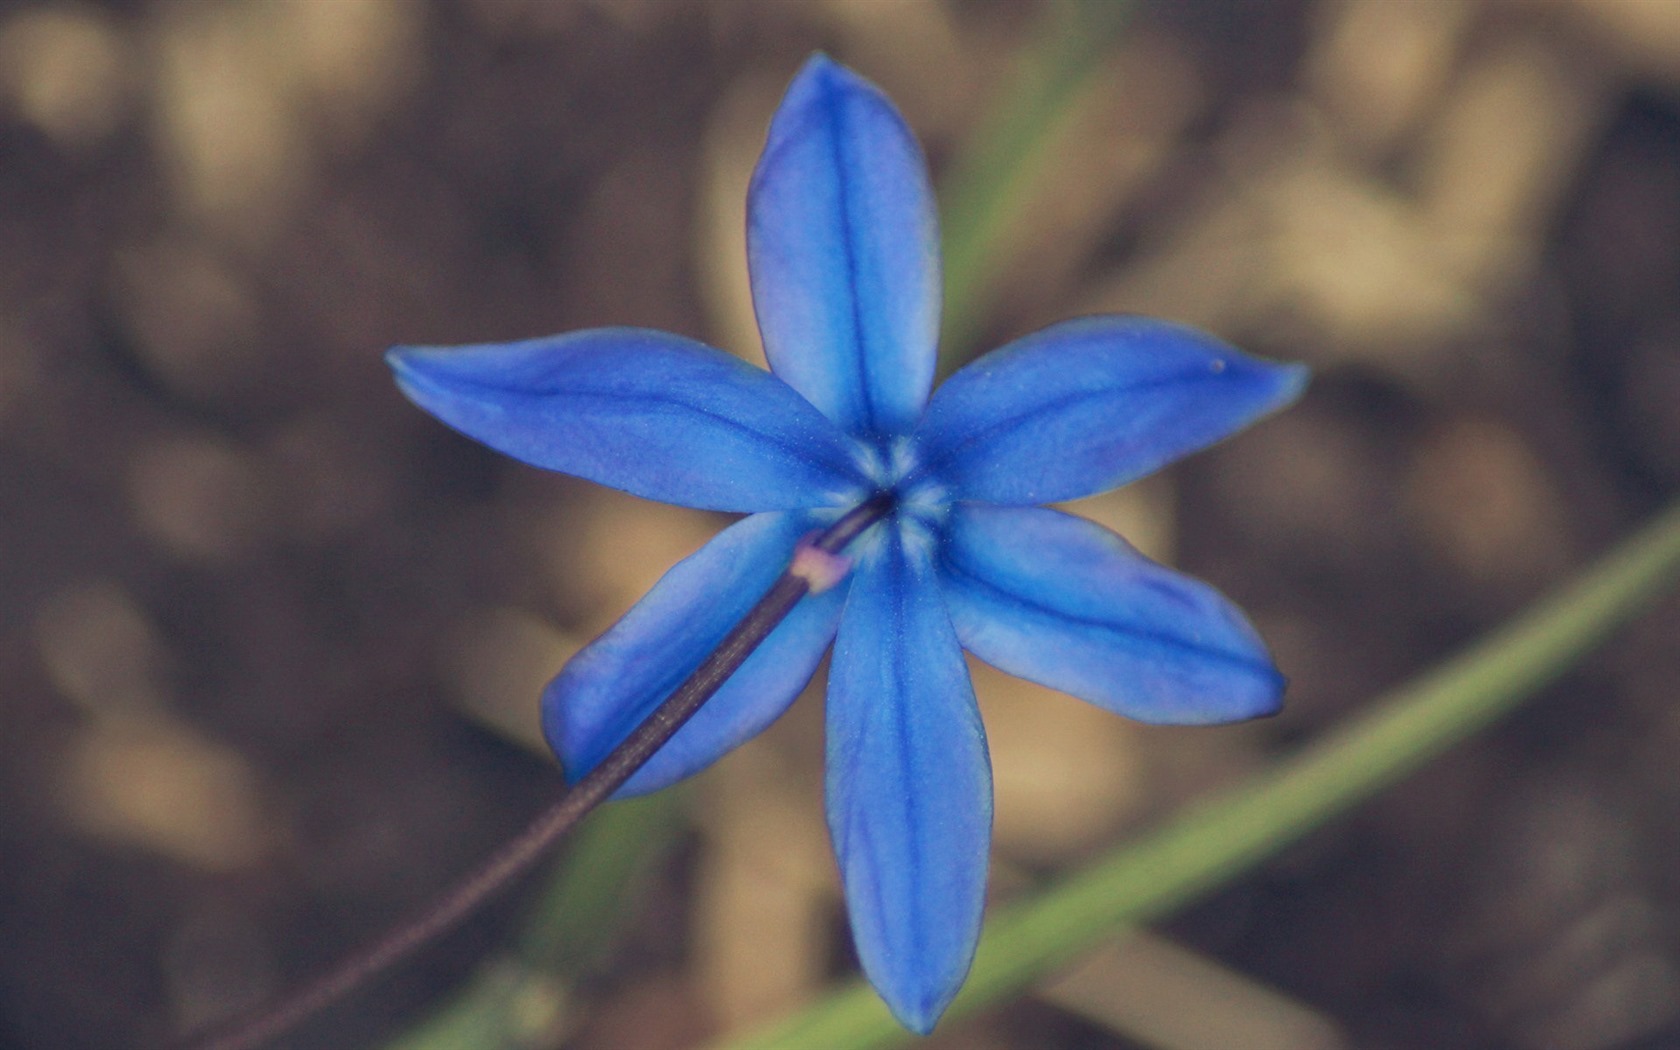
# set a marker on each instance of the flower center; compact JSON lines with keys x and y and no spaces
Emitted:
{"x":894,"y":470}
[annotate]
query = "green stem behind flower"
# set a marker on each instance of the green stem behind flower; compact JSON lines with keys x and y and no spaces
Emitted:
{"x":1226,"y":836}
{"x":518,"y":1000}
{"x":982,"y":195}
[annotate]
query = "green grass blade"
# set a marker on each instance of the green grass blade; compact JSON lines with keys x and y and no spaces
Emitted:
{"x":983,"y":194}
{"x":1217,"y":840}
{"x":515,"y":1001}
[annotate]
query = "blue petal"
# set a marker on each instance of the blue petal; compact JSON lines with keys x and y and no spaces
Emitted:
{"x":1084,"y":406}
{"x":909,"y":784}
{"x":843,"y":245}
{"x":651,"y":413}
{"x":617,"y":680}
{"x":1055,"y":599}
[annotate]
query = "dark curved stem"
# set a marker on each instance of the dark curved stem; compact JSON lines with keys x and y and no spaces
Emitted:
{"x":550,"y":826}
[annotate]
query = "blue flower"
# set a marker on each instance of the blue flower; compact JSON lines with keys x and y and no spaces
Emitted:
{"x":843,"y":248}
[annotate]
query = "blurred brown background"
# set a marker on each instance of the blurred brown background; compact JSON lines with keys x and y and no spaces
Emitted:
{"x":271,"y":639}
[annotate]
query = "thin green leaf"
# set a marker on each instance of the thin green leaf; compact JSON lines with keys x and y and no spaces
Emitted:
{"x":517,"y":1001}
{"x":1216,"y":841}
{"x":983,"y":194}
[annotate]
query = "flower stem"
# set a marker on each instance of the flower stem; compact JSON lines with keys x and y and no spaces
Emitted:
{"x":550,"y":826}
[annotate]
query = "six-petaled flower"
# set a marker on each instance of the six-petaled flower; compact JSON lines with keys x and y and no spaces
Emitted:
{"x":842,"y":247}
